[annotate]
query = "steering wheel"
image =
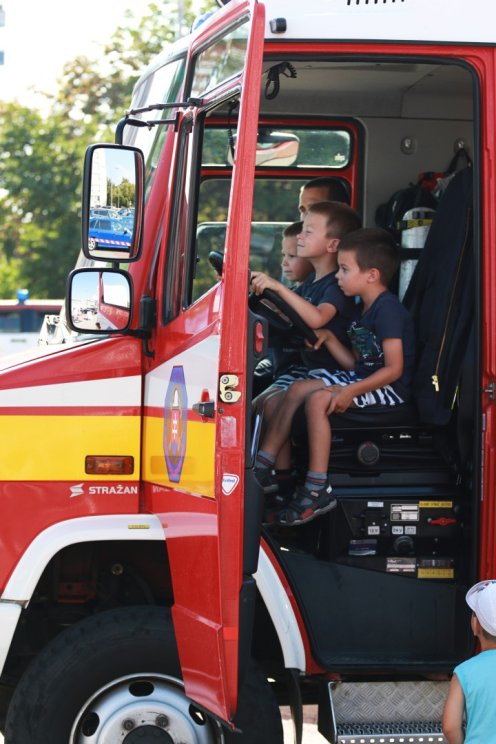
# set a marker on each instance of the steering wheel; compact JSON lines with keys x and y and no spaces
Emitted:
{"x":294,"y":321}
{"x":256,"y":303}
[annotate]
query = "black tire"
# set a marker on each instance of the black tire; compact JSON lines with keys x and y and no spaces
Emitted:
{"x":93,"y":673}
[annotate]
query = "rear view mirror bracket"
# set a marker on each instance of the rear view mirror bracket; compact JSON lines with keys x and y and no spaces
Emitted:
{"x":133,"y":122}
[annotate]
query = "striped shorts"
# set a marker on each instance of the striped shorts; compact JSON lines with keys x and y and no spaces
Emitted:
{"x":384,"y":396}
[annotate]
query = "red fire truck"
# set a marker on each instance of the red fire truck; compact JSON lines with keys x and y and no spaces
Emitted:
{"x":142,"y":599}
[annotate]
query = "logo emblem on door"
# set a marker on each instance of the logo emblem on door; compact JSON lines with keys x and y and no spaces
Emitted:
{"x":175,"y":424}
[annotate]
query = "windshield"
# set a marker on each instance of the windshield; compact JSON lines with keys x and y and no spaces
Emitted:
{"x":162,"y":85}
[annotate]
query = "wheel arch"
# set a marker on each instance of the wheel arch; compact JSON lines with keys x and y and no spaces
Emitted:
{"x":46,"y":550}
{"x":25,"y":577}
{"x":48,"y":545}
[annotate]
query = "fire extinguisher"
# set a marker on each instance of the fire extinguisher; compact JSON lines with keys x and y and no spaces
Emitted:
{"x":414,"y":230}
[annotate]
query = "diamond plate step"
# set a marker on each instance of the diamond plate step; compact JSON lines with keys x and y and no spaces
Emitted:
{"x":389,"y":733}
{"x":385,"y":712}
{"x":425,"y":738}
{"x":369,"y":702}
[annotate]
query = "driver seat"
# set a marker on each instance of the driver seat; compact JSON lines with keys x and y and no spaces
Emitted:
{"x":418,"y":436}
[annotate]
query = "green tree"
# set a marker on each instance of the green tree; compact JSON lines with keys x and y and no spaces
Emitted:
{"x":40,"y":188}
{"x":41,"y":156}
{"x":122,"y":195}
{"x":102,"y":88}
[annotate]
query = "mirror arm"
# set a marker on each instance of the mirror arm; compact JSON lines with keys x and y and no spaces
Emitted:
{"x":119,"y":130}
{"x":147,"y":313}
{"x":136,"y":333}
{"x":147,"y":321}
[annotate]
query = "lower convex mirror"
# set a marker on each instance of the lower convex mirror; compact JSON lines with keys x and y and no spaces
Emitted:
{"x":99,"y":301}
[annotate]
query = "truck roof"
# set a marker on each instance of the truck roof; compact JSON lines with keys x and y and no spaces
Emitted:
{"x":442,"y":21}
{"x":384,"y":20}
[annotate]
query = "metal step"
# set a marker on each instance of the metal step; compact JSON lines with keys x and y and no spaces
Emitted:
{"x":383,"y":712}
{"x":390,"y":733}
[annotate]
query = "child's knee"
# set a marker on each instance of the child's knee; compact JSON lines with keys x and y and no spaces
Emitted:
{"x":271,"y":402}
{"x":297,"y":391}
{"x":318,"y":401}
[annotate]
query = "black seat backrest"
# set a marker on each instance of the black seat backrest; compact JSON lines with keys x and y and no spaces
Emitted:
{"x":441,"y":298}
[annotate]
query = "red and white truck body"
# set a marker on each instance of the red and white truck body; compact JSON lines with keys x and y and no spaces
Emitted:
{"x":140,"y":594}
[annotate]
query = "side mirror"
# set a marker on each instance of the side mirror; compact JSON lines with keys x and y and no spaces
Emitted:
{"x":98,"y":301}
{"x":274,"y":149}
{"x":113,"y":201}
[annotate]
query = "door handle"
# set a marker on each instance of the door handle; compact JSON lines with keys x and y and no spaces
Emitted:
{"x":205,"y":408}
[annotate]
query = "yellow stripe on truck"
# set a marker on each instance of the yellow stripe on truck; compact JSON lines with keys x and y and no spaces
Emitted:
{"x":197,"y":474}
{"x":54,"y":447}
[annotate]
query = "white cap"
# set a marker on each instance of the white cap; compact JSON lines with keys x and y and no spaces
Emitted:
{"x":481,"y":599}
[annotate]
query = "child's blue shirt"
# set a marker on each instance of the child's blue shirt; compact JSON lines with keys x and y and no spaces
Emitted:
{"x":477,"y":677}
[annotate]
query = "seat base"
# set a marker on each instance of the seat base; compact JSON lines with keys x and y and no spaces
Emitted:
{"x":379,"y":444}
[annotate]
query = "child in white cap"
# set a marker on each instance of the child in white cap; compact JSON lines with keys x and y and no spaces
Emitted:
{"x":473,"y":686}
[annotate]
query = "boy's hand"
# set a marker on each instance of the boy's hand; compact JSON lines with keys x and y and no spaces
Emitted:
{"x":261,"y":282}
{"x":341,"y":398}
{"x":323,"y":335}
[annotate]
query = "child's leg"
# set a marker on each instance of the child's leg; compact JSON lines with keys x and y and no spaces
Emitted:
{"x":274,"y":453}
{"x":319,"y":430}
{"x":261,"y":402}
{"x":280,"y":479}
{"x":315,"y":496}
{"x":270,"y":405}
{"x":279,"y":425}
{"x":283,"y":458}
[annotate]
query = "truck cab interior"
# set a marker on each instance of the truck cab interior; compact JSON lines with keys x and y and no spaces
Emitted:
{"x":381,"y":580}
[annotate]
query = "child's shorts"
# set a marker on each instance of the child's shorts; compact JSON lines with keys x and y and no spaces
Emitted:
{"x":384,"y":396}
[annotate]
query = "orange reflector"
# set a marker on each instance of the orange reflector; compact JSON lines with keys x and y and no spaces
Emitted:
{"x":109,"y":465}
{"x":259,"y":338}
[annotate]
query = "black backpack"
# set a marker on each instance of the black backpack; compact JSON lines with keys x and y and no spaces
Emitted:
{"x":426,"y":192}
{"x":389,"y":215}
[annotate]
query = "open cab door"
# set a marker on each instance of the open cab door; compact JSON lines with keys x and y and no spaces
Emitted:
{"x":194,"y":442}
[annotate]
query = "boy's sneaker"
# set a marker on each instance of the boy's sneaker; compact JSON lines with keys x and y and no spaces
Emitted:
{"x":274,"y":504}
{"x":267,"y":479}
{"x":306,"y":505}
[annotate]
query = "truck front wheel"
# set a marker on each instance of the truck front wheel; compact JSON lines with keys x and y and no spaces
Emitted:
{"x":115,"y":679}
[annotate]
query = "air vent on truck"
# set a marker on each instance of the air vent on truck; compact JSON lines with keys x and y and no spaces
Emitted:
{"x":373,"y":2}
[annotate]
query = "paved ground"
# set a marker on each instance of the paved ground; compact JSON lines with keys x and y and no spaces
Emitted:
{"x":310,"y":733}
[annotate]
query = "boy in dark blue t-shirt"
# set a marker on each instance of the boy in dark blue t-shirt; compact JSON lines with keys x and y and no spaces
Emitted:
{"x":320,"y":303}
{"x":376,"y":371}
{"x":318,"y":299}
